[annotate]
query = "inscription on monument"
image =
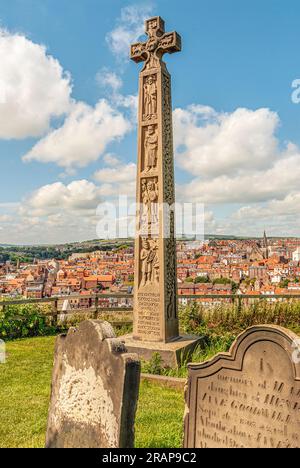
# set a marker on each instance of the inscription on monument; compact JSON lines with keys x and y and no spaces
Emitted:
{"x":148,"y":319}
{"x":249,"y":398}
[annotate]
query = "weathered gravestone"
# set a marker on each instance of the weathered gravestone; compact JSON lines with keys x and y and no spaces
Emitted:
{"x":249,"y":397}
{"x":94,"y":393}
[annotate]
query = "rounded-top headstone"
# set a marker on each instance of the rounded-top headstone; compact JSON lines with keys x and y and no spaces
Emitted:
{"x":94,"y":390}
{"x":249,"y":397}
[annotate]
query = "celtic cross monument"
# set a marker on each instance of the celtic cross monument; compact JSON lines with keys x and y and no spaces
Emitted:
{"x":156,"y":326}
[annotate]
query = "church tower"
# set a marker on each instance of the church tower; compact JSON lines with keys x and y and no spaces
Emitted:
{"x":265,"y":246}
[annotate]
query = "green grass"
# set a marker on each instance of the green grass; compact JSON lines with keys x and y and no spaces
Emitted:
{"x":24,"y":392}
{"x":200,"y":354}
{"x":159,"y":422}
{"x":24,"y":398}
{"x":226,"y":321}
{"x":25,"y":379}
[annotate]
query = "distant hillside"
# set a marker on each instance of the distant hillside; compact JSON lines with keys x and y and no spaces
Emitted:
{"x":102,"y":244}
{"x":30,"y":253}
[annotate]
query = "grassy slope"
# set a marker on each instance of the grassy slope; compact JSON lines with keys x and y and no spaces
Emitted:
{"x":159,"y":422}
{"x":24,"y":396}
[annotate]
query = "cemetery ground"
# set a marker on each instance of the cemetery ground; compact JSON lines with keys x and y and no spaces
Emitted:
{"x":26,"y":377}
{"x":25,"y":391}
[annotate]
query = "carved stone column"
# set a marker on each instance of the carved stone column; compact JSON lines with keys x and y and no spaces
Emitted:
{"x":156,"y":327}
{"x":155,"y":305}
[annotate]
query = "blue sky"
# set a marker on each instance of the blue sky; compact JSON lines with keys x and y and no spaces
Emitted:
{"x":236,"y":128}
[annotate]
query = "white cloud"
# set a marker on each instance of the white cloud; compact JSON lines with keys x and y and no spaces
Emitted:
{"x":80,"y":196}
{"x":111,"y":82}
{"x":54,"y":213}
{"x":83,"y":137}
{"x":129,"y":28}
{"x":117,"y":180}
{"x":234,"y":158}
{"x":54,"y":229}
{"x":278,"y":217}
{"x":129,"y":103}
{"x":117,"y":174}
{"x":212,"y":144}
{"x":111,"y":160}
{"x":33,"y":88}
{"x":289,"y":206}
{"x":108,"y":78}
{"x":210,"y":223}
{"x":58,"y":212}
{"x":259,"y":186}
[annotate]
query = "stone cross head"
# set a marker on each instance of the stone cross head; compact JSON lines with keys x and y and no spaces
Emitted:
{"x":159,"y":43}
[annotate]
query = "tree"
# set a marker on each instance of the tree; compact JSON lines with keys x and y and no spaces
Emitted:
{"x":189,"y":280}
{"x":284,"y":283}
{"x":227,"y":281}
{"x":222,"y":281}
